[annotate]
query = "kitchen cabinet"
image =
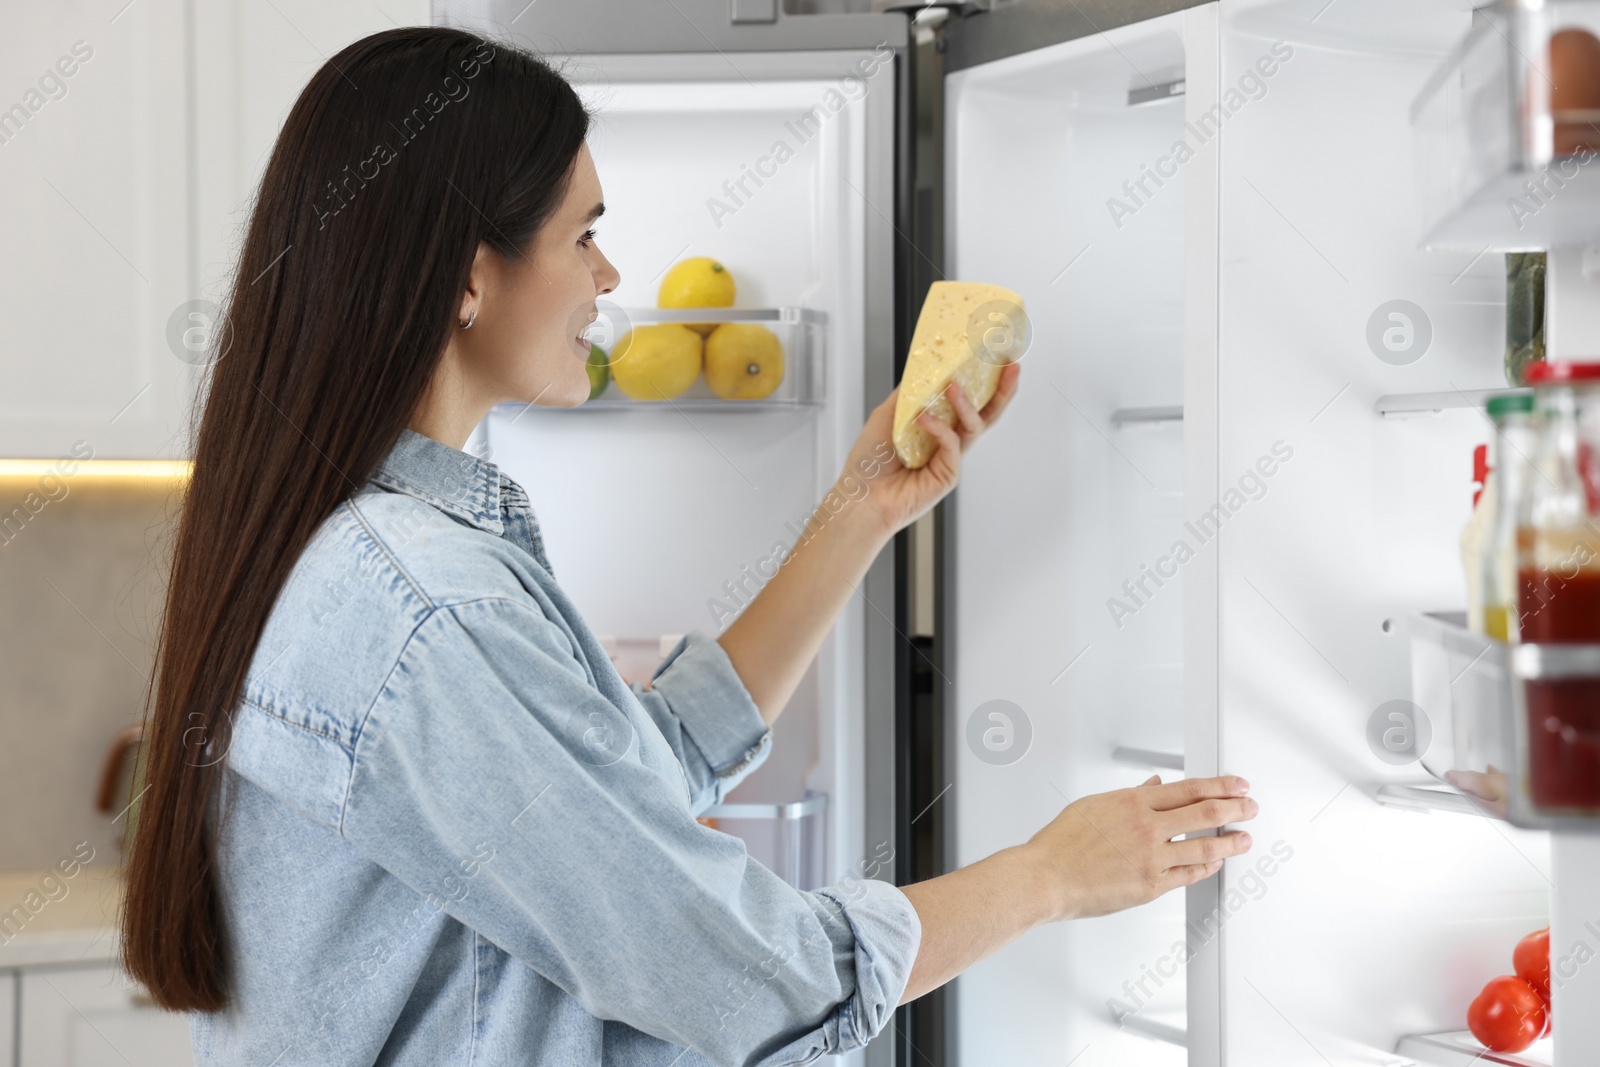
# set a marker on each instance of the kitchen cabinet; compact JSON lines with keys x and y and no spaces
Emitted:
{"x":251,"y":61}
{"x":94,"y":173}
{"x":130,"y":146}
{"x":93,"y":1016}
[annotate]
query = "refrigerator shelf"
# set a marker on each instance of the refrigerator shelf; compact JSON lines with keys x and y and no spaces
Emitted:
{"x":1460,"y":1049}
{"x":1427,"y":799}
{"x":1168,"y":413}
{"x":1411,"y":405}
{"x":1144,"y":757}
{"x":1488,"y":174}
{"x":801,"y":331}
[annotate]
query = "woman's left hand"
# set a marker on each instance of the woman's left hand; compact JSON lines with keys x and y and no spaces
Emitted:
{"x":897,"y":496}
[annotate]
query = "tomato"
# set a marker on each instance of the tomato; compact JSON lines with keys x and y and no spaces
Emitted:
{"x":1532,"y":961}
{"x":1508,"y":1016}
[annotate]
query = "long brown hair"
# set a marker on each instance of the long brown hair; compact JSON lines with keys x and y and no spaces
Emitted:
{"x":405,"y":151}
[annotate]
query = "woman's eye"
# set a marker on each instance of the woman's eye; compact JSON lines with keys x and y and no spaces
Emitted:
{"x":588,"y":235}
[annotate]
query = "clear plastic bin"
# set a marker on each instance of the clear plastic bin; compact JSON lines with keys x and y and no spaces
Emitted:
{"x":1479,"y":696}
{"x":801,"y":331}
{"x":1462,"y":681}
{"x":1486,"y":138}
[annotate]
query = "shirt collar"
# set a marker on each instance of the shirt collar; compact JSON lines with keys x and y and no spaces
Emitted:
{"x":457,"y":483}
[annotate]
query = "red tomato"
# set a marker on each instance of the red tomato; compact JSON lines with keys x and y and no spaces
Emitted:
{"x":1508,"y":1016}
{"x":1532,"y":961}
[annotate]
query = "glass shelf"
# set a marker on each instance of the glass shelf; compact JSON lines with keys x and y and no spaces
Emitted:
{"x":801,"y":331}
{"x":1460,"y":1049}
{"x":1488,"y":176}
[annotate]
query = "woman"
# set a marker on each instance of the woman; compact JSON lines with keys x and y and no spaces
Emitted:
{"x":401,"y":808}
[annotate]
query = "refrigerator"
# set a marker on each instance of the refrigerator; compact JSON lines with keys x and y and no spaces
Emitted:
{"x":1215,"y":531}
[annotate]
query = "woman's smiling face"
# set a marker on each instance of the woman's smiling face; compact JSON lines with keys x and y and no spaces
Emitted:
{"x":526,"y":344}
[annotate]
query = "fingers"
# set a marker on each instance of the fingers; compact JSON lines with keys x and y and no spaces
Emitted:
{"x":1002,"y":394}
{"x":1212,"y":848}
{"x":1192,"y":790}
{"x":949,"y":442}
{"x":1180,"y":877}
{"x":1209,"y":815}
{"x":967,"y":417}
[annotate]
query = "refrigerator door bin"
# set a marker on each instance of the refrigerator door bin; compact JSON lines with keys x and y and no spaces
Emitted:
{"x":1522,"y":716}
{"x":1497,"y":166}
{"x":1462,"y":682}
{"x":786,"y":838}
{"x":801,"y":331}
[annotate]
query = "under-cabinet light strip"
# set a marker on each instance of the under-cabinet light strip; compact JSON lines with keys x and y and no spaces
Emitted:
{"x":95,"y":468}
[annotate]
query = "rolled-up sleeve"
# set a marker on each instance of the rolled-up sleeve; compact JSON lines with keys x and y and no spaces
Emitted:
{"x":494,"y":779}
{"x":701,"y":706}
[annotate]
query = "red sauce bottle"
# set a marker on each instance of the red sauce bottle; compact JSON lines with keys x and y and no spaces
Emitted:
{"x":1558,"y":542}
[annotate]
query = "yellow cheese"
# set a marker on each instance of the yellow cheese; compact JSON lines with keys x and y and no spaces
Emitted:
{"x":966,"y":332}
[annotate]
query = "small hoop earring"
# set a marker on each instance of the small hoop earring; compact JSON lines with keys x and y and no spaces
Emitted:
{"x":470,"y":320}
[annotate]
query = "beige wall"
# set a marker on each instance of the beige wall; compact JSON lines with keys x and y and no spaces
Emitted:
{"x":80,"y":601}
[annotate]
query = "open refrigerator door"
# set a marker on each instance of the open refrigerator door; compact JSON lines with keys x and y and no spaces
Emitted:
{"x":1065,"y":604}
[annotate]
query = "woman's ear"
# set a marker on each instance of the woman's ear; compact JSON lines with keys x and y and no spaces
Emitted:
{"x":477,"y":286}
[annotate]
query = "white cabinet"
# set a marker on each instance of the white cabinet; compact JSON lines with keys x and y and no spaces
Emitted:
{"x":131,"y":139}
{"x":251,"y":61}
{"x":94,"y":1016}
{"x":94,"y":174}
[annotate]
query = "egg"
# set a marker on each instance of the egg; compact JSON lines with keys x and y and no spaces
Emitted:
{"x":1575,"y":77}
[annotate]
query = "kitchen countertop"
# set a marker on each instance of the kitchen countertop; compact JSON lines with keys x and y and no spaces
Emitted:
{"x":78,"y":926}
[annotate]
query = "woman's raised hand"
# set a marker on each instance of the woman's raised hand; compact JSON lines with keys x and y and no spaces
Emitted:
{"x":899,"y":496}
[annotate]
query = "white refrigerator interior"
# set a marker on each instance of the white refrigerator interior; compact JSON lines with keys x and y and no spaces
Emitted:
{"x":1385,"y":922}
{"x":662,"y":517}
{"x":1234,"y":589}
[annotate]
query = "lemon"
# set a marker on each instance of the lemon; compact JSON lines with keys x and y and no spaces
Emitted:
{"x":598,"y":364}
{"x":744,"y":361}
{"x":700,"y":282}
{"x":656,"y":362}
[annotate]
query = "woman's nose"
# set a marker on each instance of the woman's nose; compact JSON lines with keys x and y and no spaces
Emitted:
{"x":606,"y":278}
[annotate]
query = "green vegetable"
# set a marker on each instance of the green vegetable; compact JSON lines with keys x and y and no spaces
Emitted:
{"x":599,"y":367}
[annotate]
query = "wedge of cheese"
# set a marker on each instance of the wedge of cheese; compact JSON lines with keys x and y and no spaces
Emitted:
{"x":966,"y":332}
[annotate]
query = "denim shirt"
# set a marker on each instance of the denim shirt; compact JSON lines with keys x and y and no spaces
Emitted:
{"x":454,"y":835}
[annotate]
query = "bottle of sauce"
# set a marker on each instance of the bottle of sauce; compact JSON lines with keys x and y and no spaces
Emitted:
{"x":1511,"y":449}
{"x":1558,"y":555}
